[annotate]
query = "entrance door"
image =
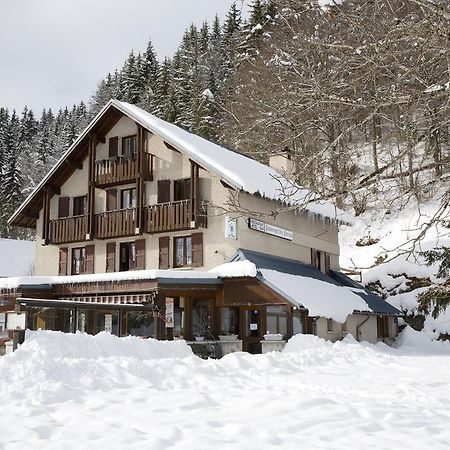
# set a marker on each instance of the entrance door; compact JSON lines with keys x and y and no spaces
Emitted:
{"x":253,"y":329}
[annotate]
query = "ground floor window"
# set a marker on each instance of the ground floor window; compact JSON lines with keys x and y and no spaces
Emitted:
{"x":298,"y":325}
{"x":55,"y":319}
{"x":383,"y":327}
{"x":93,"y":321}
{"x":138,"y":323}
{"x":229,"y":321}
{"x":276,"y":320}
{"x":3,"y":331}
{"x":201,"y":318}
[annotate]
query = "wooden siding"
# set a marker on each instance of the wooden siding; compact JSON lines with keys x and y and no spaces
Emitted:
{"x":122,"y":169}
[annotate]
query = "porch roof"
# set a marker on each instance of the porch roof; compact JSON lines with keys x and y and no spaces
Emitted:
{"x":334,"y":295}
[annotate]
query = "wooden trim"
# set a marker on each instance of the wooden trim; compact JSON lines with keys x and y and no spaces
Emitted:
{"x":46,"y":217}
{"x":140,"y":180}
{"x":91,"y":191}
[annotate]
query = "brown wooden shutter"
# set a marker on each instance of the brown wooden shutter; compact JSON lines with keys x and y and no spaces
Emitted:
{"x":111,"y":257}
{"x":89,"y":259}
{"x":63,"y":255}
{"x":197,"y":249}
{"x":163,"y":191}
{"x":111,"y":199}
{"x":164,"y":252}
{"x":140,"y":254}
{"x":63,"y":207}
{"x":113,"y":146}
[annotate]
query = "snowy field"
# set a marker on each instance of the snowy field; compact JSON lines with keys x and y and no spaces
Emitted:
{"x":83,"y":392}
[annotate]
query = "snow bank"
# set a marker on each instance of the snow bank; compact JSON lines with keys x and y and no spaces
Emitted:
{"x":235,"y":269}
{"x":321,"y":298}
{"x":420,"y":342}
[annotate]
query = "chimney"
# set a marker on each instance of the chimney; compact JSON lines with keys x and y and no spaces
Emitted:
{"x":283,"y":163}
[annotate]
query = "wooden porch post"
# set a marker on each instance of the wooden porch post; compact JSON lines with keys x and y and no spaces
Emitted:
{"x":46,"y":217}
{"x":90,"y":226}
{"x":141,"y":134}
{"x":194,"y":194}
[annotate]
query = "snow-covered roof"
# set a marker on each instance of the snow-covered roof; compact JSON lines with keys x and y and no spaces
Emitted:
{"x":16,"y":257}
{"x":238,"y":171}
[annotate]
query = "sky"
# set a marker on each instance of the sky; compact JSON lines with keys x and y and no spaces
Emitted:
{"x":53,"y":53}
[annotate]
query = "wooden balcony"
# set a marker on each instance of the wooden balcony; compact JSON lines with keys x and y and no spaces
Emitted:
{"x":172,"y":216}
{"x":113,"y":224}
{"x":122,"y":170}
{"x":67,"y":229}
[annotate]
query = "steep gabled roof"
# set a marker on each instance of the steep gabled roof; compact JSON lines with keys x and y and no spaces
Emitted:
{"x":236,"y":170}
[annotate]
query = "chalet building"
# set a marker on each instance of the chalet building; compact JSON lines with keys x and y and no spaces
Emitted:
{"x":143,"y":228}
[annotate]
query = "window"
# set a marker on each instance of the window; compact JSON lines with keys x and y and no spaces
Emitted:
{"x":128,"y":198}
{"x":201,"y":318}
{"x":276,"y":320}
{"x":78,"y":260}
{"x":2,"y":324}
{"x":183,"y":251}
{"x":129,"y":146}
{"x":182,"y":189}
{"x":298,"y":322}
{"x":382,"y":327}
{"x":229,"y":321}
{"x":79,"y":206}
{"x":138,"y":323}
{"x":320,"y":260}
{"x":178,"y":317}
{"x":330,"y":325}
{"x":127,"y":256}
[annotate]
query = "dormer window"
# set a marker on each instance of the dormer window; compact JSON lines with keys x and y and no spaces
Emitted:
{"x":129,"y":146}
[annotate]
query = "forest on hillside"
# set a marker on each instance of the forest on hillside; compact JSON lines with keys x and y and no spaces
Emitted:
{"x":325,"y":81}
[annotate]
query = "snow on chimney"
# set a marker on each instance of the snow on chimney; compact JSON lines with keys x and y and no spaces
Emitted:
{"x":283,"y":163}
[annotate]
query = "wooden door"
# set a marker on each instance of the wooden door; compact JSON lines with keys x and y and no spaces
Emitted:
{"x":253,"y":328}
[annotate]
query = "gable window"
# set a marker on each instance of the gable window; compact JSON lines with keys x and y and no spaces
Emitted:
{"x":182,"y":251}
{"x":127,"y":256}
{"x":182,"y":189}
{"x":128,"y":198}
{"x":129,"y":146}
{"x":78,"y":260}
{"x":79,"y":206}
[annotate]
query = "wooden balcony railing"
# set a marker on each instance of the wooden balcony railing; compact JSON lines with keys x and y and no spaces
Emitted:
{"x":68,"y":229}
{"x":113,"y":224}
{"x":172,"y":216}
{"x":122,"y":169}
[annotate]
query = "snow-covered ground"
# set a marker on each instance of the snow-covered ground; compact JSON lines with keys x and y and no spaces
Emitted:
{"x":78,"y":391}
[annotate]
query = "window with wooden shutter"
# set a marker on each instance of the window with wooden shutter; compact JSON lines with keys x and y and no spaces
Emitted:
{"x":89,"y":259}
{"x":163,"y":191}
{"x":111,"y":199}
{"x":164,"y":252}
{"x":63,"y":255}
{"x":111,"y":257}
{"x":63,"y":207}
{"x":197,"y":250}
{"x":140,"y":254}
{"x":113,"y":146}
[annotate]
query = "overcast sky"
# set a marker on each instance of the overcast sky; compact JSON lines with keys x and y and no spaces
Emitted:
{"x":54,"y":52}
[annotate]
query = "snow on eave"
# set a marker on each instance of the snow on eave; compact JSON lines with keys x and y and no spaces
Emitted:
{"x":58,"y":164}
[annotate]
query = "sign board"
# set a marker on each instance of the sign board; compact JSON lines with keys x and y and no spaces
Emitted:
{"x":108,"y":323}
{"x":270,"y":229}
{"x":16,"y":321}
{"x":169,"y":312}
{"x":230,"y":227}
